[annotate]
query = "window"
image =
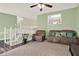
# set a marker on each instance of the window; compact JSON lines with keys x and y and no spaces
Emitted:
{"x":54,"y":19}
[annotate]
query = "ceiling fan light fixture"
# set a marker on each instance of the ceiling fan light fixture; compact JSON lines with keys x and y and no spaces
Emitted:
{"x":41,"y":5}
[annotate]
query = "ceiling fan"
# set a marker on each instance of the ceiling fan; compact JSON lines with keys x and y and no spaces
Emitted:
{"x":41,"y":6}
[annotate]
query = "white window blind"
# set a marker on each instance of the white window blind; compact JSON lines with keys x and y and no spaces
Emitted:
{"x":54,"y":19}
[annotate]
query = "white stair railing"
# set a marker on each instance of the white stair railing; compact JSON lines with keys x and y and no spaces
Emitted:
{"x":11,"y":37}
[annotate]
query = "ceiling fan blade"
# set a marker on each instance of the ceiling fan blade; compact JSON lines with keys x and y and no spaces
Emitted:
{"x":48,"y":5}
{"x":33,"y":5}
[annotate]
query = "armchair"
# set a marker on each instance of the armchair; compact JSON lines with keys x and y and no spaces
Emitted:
{"x":39,"y":35}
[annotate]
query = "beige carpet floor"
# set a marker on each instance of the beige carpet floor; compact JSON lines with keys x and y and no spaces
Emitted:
{"x":39,"y":49}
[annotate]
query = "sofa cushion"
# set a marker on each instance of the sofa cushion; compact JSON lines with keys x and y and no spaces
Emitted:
{"x":58,"y":34}
{"x":53,"y":38}
{"x":69,"y":34}
{"x":64,"y":40}
{"x":38,"y":38}
{"x":51,"y":33}
{"x":63,"y":34}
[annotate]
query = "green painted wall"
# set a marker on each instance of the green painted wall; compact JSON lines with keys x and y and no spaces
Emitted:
{"x":6,"y":20}
{"x":68,"y":17}
{"x":77,"y":29}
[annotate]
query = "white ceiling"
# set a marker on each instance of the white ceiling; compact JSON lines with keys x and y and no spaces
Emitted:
{"x":23,"y":9}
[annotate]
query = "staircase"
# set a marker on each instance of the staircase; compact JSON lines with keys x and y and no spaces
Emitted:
{"x":4,"y":47}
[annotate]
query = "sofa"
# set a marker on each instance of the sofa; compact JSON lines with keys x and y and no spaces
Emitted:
{"x":62,"y":36}
{"x":39,"y":35}
{"x":74,"y":49}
